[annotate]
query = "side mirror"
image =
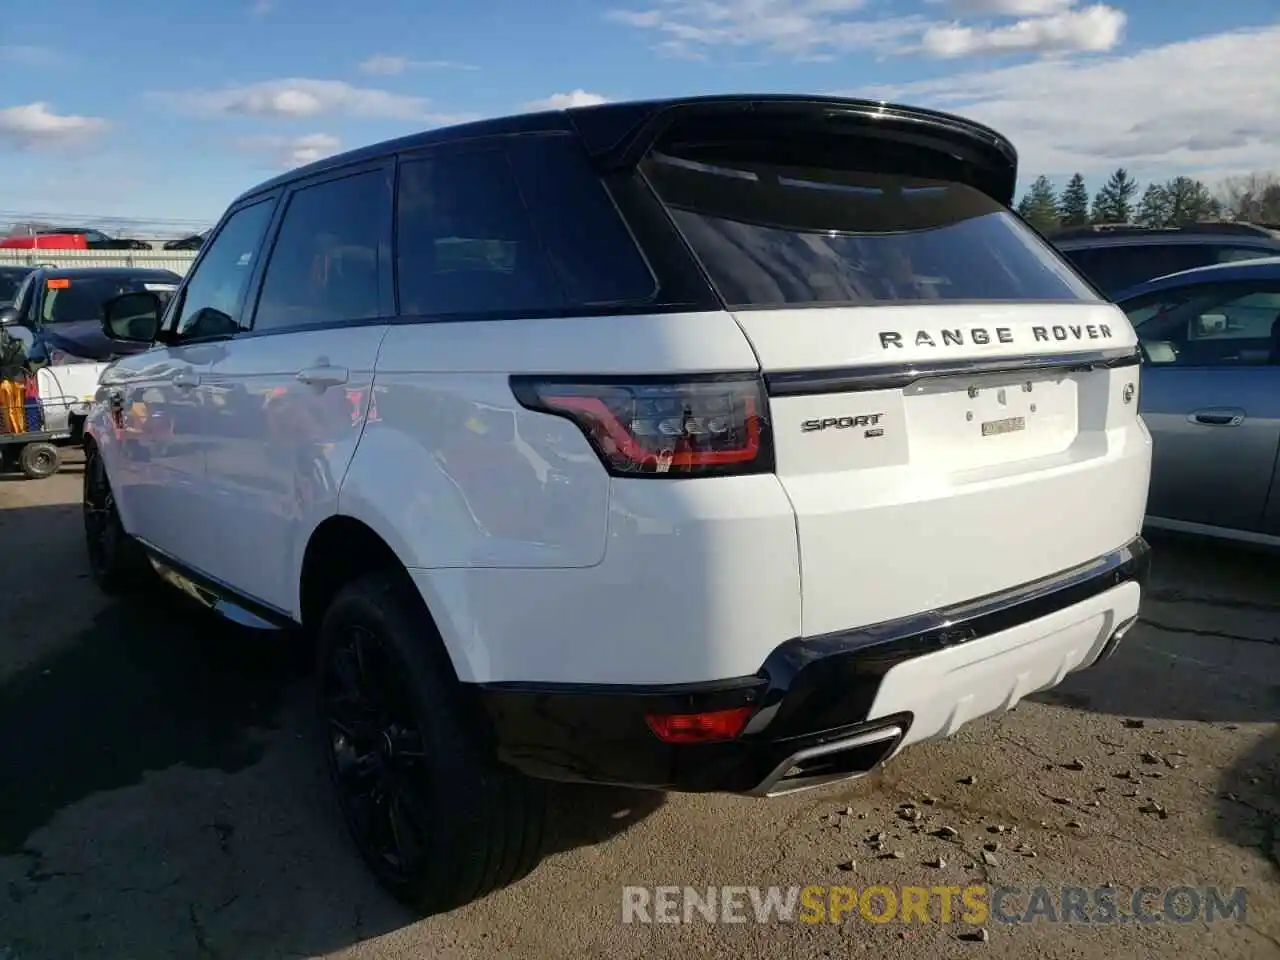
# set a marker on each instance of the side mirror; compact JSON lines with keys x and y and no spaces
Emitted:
{"x":132,"y":317}
{"x":8,"y":316}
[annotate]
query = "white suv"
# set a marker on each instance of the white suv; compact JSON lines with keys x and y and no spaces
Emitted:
{"x":721,"y":444}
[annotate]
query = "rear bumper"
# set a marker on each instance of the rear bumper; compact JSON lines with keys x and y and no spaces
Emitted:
{"x":833,"y":706}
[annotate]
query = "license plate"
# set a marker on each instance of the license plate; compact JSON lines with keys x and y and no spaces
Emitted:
{"x":993,"y":428}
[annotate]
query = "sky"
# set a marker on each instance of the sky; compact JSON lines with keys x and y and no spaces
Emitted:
{"x":165,"y":110}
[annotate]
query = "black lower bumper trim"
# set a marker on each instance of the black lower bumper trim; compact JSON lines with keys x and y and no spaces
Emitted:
{"x":809,"y":691}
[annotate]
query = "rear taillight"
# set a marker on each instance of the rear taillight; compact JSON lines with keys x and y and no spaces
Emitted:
{"x":699,"y":727}
{"x":705,"y":426}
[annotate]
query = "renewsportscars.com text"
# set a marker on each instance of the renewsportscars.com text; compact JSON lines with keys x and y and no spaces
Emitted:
{"x":974,"y":904}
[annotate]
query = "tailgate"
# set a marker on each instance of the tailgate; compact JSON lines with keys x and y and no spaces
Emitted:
{"x":954,"y":409}
{"x":920,"y":482}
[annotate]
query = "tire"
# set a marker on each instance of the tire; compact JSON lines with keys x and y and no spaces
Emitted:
{"x":437,"y":818}
{"x":39,"y":461}
{"x":116,"y":560}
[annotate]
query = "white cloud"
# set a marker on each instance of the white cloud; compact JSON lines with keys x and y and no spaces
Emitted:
{"x":388,"y":64}
{"x":1205,"y":107}
{"x":1011,"y":8}
{"x":35,"y":125}
{"x":296,"y":98}
{"x":817,"y":29}
{"x":289,"y":152}
{"x":1094,"y":29}
{"x":800,"y":28}
{"x":260,"y":8}
{"x":564,"y":101}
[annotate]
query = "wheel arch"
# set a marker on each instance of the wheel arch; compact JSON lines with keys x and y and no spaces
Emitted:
{"x":342,"y":549}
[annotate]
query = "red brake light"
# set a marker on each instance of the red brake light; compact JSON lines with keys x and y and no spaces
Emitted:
{"x":699,"y":727}
{"x":708,"y":426}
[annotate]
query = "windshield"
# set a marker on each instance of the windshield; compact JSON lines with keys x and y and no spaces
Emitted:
{"x":10,"y":284}
{"x":771,"y":236}
{"x":72,"y":300}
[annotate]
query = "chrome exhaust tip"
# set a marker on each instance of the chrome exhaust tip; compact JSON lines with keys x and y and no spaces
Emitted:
{"x":826,"y":763}
{"x":1114,"y":640}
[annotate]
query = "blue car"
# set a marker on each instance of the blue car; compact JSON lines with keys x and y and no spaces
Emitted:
{"x":1211,"y":397}
{"x":57,"y":312}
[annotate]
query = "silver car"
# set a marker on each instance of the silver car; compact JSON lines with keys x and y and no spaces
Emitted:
{"x":1211,"y":398}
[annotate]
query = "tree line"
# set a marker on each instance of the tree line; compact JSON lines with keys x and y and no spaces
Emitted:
{"x":1253,"y":197}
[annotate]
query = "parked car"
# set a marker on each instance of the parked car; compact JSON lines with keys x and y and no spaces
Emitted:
{"x":97,"y":240}
{"x":11,"y":278}
{"x":1211,"y":397}
{"x":194,"y":242}
{"x":44,"y":241}
{"x":62,"y":309}
{"x":1115,"y":257}
{"x":611,"y":453}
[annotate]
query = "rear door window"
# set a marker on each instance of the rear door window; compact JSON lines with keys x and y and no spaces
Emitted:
{"x":325,"y":263}
{"x":773,"y":236}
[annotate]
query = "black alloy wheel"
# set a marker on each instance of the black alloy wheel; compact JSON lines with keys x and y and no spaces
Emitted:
{"x":376,"y":754}
{"x":116,"y":560}
{"x":438,"y":819}
{"x":101,"y":522}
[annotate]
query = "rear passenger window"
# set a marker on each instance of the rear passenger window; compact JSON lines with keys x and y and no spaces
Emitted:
{"x":464,"y":242}
{"x":592,"y":252}
{"x":521,"y":229}
{"x":324,"y":265}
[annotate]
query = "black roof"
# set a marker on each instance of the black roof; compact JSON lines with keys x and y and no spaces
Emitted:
{"x":15,"y":268}
{"x":617,"y":133}
{"x":123,"y":273}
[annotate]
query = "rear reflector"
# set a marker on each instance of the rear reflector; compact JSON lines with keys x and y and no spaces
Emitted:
{"x":699,"y":727}
{"x":709,"y":426}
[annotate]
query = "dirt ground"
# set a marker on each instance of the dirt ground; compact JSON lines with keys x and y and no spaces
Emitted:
{"x":160,"y":796}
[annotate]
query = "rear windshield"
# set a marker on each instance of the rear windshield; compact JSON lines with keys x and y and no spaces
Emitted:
{"x":71,"y":300}
{"x":772,"y":236}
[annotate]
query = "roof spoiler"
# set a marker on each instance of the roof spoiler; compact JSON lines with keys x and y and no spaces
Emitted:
{"x":618,"y":135}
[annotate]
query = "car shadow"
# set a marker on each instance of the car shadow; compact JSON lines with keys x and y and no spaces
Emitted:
{"x":1206,"y":651}
{"x":161,"y":782}
{"x":1248,"y":802}
{"x":1206,"y":647}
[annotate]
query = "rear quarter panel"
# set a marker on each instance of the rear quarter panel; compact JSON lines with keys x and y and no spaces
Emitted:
{"x":452,"y":472}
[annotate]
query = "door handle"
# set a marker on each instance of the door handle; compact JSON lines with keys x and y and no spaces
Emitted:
{"x":186,"y":379}
{"x":1218,"y":417}
{"x":322,"y":377}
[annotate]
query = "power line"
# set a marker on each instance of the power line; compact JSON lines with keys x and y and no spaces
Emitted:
{"x":106,"y":221}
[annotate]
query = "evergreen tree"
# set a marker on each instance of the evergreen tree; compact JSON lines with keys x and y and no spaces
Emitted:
{"x":1114,"y":202}
{"x":1039,"y":207}
{"x":1154,"y":208}
{"x":1189,"y":201}
{"x":1073,"y":207}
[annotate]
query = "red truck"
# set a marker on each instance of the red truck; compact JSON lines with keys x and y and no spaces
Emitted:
{"x":45,"y":241}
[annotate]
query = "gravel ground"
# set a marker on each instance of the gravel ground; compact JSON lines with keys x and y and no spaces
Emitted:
{"x":159,"y":796}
